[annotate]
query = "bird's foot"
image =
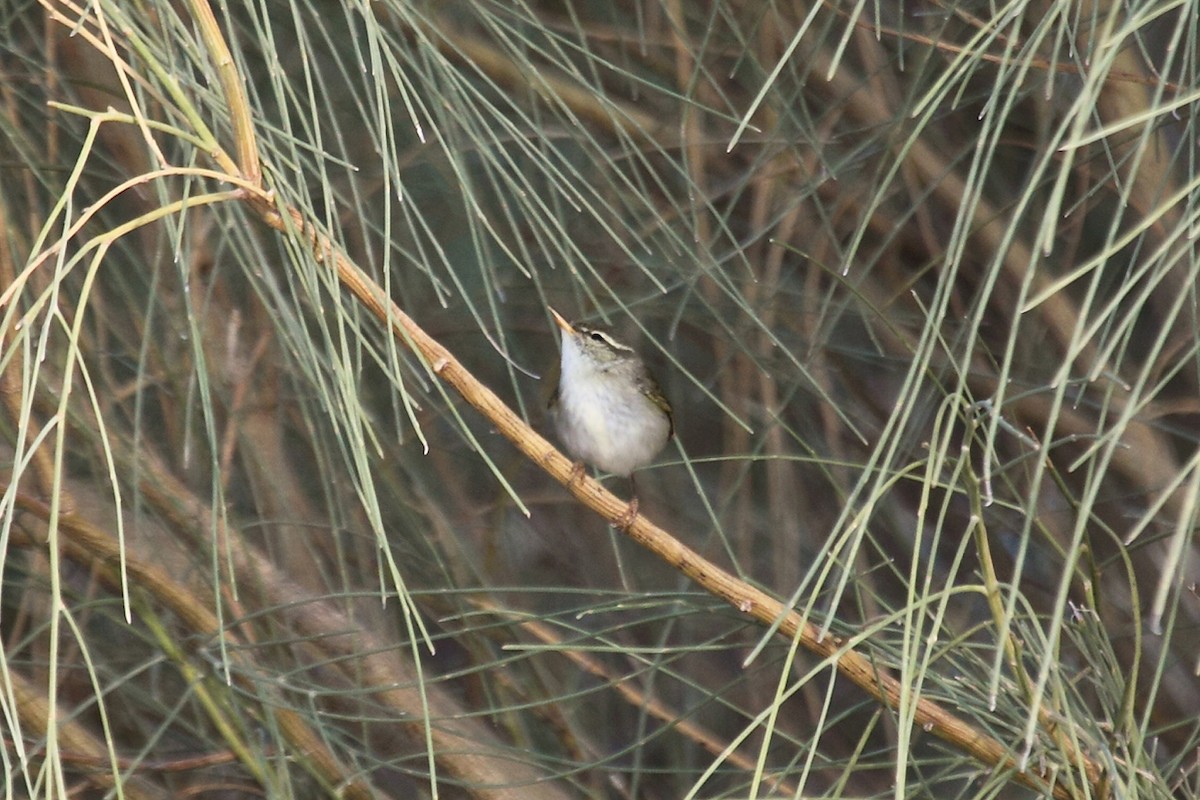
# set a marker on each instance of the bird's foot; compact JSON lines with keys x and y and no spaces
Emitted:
{"x":624,"y":521}
{"x":577,"y":470}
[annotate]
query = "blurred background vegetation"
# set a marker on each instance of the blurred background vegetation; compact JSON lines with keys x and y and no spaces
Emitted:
{"x":919,"y":279}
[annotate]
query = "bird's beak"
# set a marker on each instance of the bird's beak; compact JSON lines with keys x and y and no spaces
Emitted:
{"x":562,"y":322}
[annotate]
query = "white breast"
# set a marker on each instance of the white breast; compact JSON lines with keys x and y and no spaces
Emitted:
{"x":615,"y":428}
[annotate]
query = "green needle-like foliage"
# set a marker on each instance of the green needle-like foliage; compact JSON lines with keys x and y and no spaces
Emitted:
{"x":919,"y":280}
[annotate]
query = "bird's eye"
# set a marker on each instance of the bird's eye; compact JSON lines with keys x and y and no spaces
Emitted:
{"x":597,"y":337}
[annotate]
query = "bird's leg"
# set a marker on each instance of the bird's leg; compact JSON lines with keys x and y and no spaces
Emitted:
{"x":631,"y":511}
{"x":625,"y":521}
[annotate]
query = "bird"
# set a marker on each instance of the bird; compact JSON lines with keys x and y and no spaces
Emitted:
{"x":608,"y":409}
